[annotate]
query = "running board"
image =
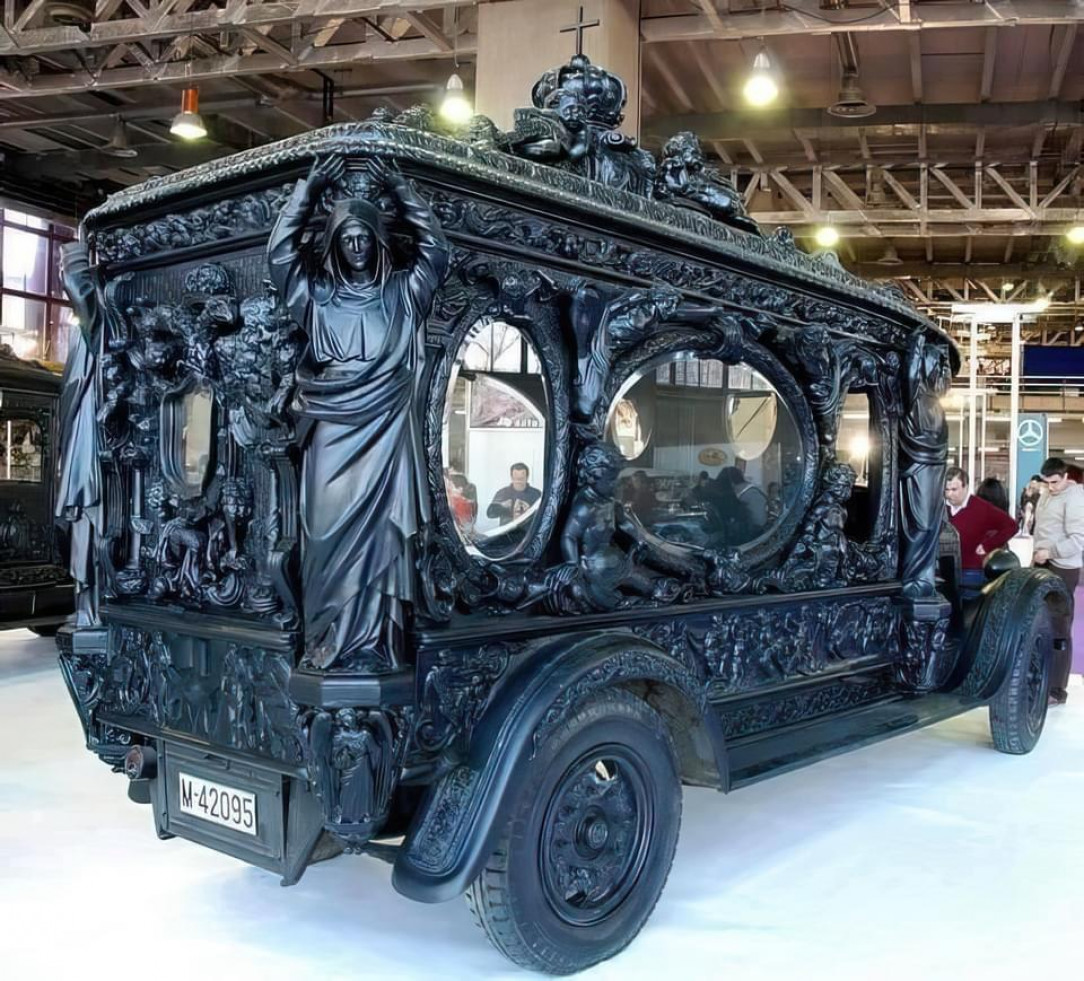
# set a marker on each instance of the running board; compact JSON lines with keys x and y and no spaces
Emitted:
{"x":754,"y":758}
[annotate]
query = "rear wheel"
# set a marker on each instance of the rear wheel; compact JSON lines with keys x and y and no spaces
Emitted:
{"x":1018,"y":710}
{"x":590,"y":841}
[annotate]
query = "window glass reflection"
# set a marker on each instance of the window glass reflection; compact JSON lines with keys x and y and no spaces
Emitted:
{"x":714,"y":456}
{"x":196,"y":434}
{"x":494,"y":439}
{"x":21,"y":454}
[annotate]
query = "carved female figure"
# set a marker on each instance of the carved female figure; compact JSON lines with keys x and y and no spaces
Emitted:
{"x":79,"y":492}
{"x":362,"y":500}
{"x":923,"y":448}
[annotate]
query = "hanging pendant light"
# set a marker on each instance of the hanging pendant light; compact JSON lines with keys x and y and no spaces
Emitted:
{"x":188,"y":123}
{"x":761,"y":88}
{"x":118,"y":145}
{"x":455,"y":107}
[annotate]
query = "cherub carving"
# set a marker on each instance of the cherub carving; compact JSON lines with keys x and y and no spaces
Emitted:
{"x":685,"y":179}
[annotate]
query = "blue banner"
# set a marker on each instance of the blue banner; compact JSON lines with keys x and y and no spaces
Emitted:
{"x":1030,"y":448}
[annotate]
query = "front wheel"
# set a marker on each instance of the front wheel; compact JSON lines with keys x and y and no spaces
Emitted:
{"x":589,"y":843}
{"x":1018,"y":710}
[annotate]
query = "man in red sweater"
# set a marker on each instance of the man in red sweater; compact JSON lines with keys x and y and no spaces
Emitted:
{"x":982,"y":527}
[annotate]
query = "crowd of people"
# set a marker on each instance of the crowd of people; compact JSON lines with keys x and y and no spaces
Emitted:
{"x":509,"y":503}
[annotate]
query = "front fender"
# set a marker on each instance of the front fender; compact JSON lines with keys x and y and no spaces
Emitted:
{"x":462,"y":816}
{"x":1000,"y":623}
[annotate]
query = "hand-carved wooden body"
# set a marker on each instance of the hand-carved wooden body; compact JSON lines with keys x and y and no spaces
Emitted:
{"x":35,"y":585}
{"x":415,"y":452}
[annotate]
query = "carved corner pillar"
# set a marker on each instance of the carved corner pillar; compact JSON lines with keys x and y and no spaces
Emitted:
{"x":83,"y":656}
{"x":924,"y":625}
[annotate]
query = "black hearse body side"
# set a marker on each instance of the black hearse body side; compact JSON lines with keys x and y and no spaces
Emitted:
{"x":584,"y":426}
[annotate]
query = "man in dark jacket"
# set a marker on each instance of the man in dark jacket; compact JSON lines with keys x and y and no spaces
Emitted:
{"x":516,"y":499}
{"x":982,"y":527}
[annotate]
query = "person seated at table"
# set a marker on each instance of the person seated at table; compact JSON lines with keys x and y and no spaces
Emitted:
{"x":517,"y":498}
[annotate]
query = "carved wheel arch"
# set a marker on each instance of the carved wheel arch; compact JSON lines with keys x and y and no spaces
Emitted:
{"x":540,"y":323}
{"x":663,"y":347}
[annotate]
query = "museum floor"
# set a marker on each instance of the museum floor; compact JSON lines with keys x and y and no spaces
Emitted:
{"x":929,"y":856}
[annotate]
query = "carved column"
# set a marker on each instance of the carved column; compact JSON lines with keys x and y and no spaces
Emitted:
{"x":521,"y":39}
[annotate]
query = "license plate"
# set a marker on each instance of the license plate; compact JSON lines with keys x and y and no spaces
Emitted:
{"x":231,"y":808}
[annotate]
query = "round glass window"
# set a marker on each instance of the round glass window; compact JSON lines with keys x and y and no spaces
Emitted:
{"x":714,"y":456}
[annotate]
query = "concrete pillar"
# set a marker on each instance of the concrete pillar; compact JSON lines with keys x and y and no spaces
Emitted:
{"x":518,"y":40}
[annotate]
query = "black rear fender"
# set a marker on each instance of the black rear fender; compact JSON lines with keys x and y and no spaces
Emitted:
{"x":463,"y":814}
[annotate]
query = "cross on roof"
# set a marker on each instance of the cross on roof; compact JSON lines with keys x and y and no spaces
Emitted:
{"x":579,"y":27}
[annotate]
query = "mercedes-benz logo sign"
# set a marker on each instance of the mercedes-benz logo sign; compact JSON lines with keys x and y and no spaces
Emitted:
{"x":1029,"y":433}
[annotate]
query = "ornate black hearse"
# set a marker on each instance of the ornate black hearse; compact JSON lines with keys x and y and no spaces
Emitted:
{"x":35,"y":588}
{"x":457,"y":499}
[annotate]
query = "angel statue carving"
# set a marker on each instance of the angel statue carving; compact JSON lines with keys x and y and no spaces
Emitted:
{"x":362,"y":498}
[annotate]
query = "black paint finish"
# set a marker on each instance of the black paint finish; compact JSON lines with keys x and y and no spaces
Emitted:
{"x":268,"y":565}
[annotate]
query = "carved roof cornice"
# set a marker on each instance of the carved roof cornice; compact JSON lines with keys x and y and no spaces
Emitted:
{"x":774,"y":254}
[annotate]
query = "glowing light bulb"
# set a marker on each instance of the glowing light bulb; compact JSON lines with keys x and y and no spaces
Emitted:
{"x":456,"y":108}
{"x":761,"y":88}
{"x":1075,"y":235}
{"x":826,"y":237}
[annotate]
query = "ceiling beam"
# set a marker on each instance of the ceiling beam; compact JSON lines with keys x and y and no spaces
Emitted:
{"x":1061,"y":60}
{"x":810,"y":17}
{"x":181,"y":72}
{"x":215,"y":20}
{"x":213,"y":105}
{"x":428,"y":29}
{"x":989,"y":60}
{"x":914,"y":43}
{"x":736,"y":123}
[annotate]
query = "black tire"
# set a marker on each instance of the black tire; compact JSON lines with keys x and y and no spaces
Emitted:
{"x":589,"y":843}
{"x":1018,"y":710}
{"x":48,"y":630}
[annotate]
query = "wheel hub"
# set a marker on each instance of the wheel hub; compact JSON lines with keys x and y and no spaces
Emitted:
{"x":595,"y":836}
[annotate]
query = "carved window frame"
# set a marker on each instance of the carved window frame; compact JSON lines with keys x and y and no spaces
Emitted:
{"x":670,"y":345}
{"x":885,"y":420}
{"x":539,"y":324}
{"x":170,"y":428}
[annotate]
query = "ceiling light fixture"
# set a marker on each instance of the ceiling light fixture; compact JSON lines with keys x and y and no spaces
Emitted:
{"x":455,"y":108}
{"x":890,"y":257}
{"x":851,"y":104}
{"x":188,"y":123}
{"x":1075,"y":235}
{"x":826,"y":237}
{"x":761,"y":88}
{"x":118,"y":145}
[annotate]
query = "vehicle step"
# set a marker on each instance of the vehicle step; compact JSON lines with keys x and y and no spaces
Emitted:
{"x":758,"y":757}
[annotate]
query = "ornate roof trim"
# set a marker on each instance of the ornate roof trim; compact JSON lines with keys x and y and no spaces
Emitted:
{"x":775,"y":253}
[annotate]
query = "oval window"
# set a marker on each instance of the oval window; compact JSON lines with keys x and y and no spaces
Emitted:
{"x":714,"y":456}
{"x":188,"y":439}
{"x":494,"y":440}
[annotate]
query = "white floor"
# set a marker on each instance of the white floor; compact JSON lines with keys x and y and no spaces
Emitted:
{"x":929,"y":856}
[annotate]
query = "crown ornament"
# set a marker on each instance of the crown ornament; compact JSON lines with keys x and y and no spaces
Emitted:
{"x":601,"y":93}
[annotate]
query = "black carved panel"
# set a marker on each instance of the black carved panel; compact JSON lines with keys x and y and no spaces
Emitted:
{"x":222,"y":692}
